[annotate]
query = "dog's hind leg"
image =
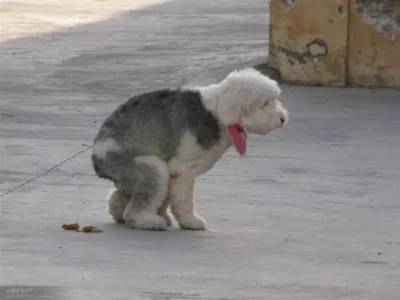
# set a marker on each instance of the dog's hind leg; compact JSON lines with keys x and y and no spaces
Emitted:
{"x":147,"y":185}
{"x":117,"y":201}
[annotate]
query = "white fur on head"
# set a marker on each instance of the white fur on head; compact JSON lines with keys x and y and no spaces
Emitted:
{"x":247,"y":98}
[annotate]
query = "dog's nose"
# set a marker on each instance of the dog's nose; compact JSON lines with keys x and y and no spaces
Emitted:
{"x":282,"y":120}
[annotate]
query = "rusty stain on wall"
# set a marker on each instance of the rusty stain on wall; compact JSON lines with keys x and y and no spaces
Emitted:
{"x":316,"y":49}
{"x":383,"y":15}
{"x":288,"y":3}
{"x":340,"y":9}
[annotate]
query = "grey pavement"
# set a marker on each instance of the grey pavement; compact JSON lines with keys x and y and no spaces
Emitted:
{"x":312,"y":212}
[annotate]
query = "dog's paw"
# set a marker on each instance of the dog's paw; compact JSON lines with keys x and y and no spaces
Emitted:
{"x":146,"y":222}
{"x":193,"y":223}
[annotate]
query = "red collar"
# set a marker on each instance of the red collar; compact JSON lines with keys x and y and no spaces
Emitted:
{"x":238,"y":137}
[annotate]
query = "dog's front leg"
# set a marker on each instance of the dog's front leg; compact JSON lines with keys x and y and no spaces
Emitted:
{"x":181,"y":196}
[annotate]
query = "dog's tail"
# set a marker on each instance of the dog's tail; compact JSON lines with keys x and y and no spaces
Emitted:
{"x":99,"y":170}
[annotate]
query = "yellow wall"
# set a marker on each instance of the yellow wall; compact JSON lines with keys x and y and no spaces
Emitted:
{"x":336,"y":42}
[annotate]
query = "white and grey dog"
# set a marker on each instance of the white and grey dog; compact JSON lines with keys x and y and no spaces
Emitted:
{"x":155,"y":144}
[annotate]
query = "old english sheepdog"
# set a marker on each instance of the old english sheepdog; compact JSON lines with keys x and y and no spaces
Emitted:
{"x":154,"y":145}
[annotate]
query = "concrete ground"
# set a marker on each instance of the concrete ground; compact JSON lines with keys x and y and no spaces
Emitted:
{"x":312,"y":212}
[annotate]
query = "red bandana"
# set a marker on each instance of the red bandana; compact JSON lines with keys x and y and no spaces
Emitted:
{"x":238,"y":137}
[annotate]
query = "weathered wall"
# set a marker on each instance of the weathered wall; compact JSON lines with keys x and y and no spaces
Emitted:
{"x":336,"y":42}
{"x":374,"y":43}
{"x":308,"y":40}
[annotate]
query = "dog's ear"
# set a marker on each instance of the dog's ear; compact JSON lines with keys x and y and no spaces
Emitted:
{"x":236,"y":102}
{"x":248,"y":101}
{"x":231,"y":104}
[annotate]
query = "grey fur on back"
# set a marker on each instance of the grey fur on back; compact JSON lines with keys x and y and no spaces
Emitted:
{"x":153,"y":124}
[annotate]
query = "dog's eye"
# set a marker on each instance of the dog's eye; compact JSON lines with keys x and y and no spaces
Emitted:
{"x":266,"y":103}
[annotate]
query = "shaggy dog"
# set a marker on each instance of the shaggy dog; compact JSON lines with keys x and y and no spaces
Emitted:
{"x":155,"y":144}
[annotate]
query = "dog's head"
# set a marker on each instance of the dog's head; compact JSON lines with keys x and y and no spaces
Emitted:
{"x":250,"y":99}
